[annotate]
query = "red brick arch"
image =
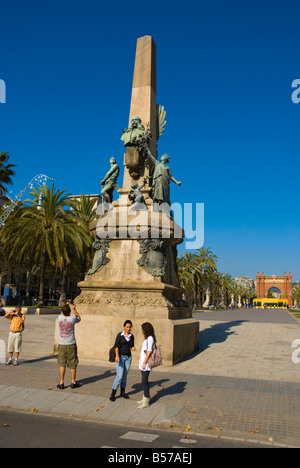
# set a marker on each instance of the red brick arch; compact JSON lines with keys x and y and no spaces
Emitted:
{"x":283,"y":283}
{"x":270,"y":287}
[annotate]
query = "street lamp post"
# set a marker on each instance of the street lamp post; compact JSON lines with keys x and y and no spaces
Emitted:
{"x":39,"y":179}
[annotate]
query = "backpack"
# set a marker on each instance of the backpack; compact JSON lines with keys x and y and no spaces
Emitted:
{"x":112,"y":353}
{"x":155,"y":358}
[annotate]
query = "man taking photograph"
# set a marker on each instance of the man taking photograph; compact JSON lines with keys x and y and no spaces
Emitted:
{"x":67,"y":349}
{"x":17,"y":320}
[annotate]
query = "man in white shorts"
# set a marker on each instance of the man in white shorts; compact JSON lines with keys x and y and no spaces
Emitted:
{"x":17,"y":320}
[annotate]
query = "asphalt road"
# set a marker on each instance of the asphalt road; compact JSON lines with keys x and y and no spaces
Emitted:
{"x":23,"y":430}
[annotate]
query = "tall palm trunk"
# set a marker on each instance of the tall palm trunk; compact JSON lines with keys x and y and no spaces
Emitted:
{"x":43,"y":273}
{"x":64,"y":283}
{"x":196,"y":290}
{"x":28,"y":282}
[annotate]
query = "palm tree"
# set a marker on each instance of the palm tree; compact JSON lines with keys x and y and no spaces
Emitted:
{"x":238,"y":291}
{"x":296,"y":293}
{"x":206,"y":264}
{"x":216,"y":287}
{"x":195,"y":271}
{"x":187,"y":265}
{"x":226,"y":288}
{"x":46,"y":232}
{"x":6,"y":171}
{"x":250,"y":294}
{"x":85,"y":209}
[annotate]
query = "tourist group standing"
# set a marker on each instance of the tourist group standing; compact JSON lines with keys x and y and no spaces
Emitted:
{"x":67,"y":350}
{"x":124,"y":344}
{"x":123,"y":348}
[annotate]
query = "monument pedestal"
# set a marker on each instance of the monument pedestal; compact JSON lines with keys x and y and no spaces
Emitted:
{"x":137,"y":281}
{"x":96,"y":333}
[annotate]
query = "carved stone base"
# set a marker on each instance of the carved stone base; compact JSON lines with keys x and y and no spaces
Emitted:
{"x":135,"y":279}
{"x":104,"y":311}
{"x":105,"y":306}
{"x":96,"y":334}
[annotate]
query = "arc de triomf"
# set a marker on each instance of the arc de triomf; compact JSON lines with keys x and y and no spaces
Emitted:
{"x":283,"y":283}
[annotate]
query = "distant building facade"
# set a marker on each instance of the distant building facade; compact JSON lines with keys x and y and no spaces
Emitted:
{"x":283,"y":283}
{"x":245,"y":281}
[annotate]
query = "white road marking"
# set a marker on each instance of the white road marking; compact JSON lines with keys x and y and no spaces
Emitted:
{"x":187,"y":441}
{"x":140,"y":436}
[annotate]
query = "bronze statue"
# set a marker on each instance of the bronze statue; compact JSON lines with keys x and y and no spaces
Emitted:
{"x":136,"y":139}
{"x":136,"y":197}
{"x":101,"y":248}
{"x":135,"y":134}
{"x":161,"y":178}
{"x":109,"y":181}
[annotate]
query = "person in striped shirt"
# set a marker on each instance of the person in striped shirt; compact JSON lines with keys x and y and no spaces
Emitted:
{"x":17,"y":320}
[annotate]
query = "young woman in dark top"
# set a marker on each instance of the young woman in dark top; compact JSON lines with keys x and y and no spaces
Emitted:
{"x":124,"y":345}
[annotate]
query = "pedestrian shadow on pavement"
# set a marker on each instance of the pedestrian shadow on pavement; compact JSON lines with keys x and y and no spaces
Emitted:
{"x":137,"y":387}
{"x":176,"y":389}
{"x":95,"y":378}
{"x":160,"y":389}
{"x":43,"y":358}
{"x":217,"y":333}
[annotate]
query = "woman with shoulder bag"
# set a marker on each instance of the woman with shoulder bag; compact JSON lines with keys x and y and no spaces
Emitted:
{"x":147,"y":348}
{"x":123,"y":346}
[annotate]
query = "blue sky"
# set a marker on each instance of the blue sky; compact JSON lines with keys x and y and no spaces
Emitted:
{"x":224,"y":75}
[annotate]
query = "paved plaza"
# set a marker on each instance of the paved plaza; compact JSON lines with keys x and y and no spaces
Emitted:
{"x":242,"y":384}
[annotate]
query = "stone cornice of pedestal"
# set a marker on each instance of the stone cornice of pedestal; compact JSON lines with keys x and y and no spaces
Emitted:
{"x":158,"y":287}
{"x":153,"y":225}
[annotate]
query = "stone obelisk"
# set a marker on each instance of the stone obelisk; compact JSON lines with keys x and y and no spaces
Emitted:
{"x":143,"y":97}
{"x":135,"y":275}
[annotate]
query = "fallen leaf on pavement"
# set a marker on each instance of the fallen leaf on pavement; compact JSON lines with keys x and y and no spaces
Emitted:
{"x":100,"y":407}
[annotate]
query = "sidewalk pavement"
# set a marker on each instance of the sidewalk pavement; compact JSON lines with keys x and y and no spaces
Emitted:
{"x":242,"y":384}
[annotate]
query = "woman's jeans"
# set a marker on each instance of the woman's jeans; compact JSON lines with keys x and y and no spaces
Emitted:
{"x":122,"y":371}
{"x":145,"y":383}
